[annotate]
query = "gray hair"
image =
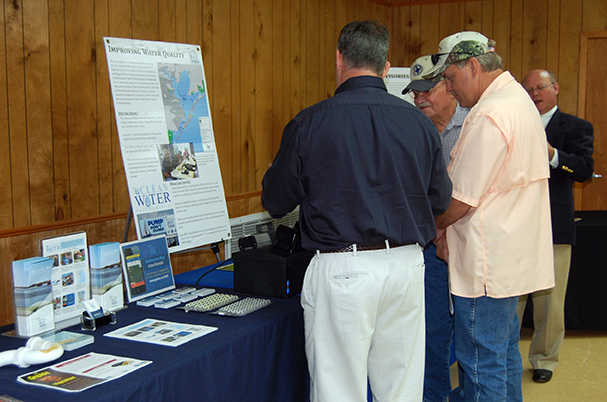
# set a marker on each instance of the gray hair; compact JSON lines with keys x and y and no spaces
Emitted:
{"x":489,"y":61}
{"x":364,"y":44}
{"x":552,"y":77}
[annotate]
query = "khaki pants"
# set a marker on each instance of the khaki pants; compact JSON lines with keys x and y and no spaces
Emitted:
{"x":549,"y":314}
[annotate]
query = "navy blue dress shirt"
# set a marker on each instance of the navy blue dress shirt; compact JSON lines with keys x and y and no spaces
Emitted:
{"x":364,"y":166}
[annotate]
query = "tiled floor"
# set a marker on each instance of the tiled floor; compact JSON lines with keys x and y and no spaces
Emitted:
{"x":580,"y":375}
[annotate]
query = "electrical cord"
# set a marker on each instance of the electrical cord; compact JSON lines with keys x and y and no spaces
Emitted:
{"x":211,"y":270}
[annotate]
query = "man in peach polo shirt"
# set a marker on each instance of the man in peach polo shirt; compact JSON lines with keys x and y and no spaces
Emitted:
{"x":498,"y":229}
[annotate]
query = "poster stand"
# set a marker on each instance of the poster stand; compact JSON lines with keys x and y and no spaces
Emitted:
{"x":127,"y":226}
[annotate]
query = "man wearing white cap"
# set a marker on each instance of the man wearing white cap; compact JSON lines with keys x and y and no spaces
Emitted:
{"x":430,"y":95}
{"x":498,"y":227}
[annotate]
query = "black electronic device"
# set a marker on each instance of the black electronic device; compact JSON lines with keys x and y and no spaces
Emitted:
{"x":275,"y":271}
{"x":247,"y":243}
{"x":286,"y":240}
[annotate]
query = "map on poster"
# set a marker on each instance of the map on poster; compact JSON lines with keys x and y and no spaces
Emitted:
{"x":167,"y":141}
{"x":184,"y":98}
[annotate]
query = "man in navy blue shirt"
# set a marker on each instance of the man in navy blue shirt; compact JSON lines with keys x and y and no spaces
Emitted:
{"x":366,"y":169}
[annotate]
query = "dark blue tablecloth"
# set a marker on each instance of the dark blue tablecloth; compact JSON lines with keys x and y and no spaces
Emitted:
{"x":213,"y":277}
{"x":258,"y":357}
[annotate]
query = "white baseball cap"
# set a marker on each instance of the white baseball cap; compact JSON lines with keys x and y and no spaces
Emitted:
{"x":424,"y":75}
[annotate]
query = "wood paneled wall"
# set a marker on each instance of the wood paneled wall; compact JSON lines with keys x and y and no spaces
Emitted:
{"x":264,"y":60}
{"x":24,"y":243}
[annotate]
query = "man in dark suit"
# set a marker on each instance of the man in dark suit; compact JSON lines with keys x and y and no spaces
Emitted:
{"x":570,"y":146}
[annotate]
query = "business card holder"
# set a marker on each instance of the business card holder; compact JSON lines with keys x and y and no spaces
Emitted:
{"x":89,"y":323}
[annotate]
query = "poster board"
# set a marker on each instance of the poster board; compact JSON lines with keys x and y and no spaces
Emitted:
{"x":167,"y":142}
{"x":396,"y":80}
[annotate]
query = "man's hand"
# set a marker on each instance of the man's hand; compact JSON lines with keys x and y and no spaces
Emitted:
{"x":455,"y":212}
{"x":442,"y":249}
{"x":550,"y":151}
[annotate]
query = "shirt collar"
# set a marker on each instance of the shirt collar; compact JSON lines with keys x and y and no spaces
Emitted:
{"x":458,"y":118}
{"x":498,"y":83}
{"x":548,"y":115}
{"x":361,"y":81}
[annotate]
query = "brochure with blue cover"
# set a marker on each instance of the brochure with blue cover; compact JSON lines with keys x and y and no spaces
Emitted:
{"x":33,"y":296}
{"x":106,"y":275}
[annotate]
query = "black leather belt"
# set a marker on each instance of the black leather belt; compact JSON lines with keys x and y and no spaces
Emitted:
{"x":362,"y":247}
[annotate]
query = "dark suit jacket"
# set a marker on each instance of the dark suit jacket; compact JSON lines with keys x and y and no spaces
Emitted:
{"x":573,"y":138}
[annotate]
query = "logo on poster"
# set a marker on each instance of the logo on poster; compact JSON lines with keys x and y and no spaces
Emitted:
{"x":149,"y":196}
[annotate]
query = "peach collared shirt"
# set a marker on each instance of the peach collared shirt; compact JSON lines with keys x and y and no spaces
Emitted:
{"x":499,"y":166}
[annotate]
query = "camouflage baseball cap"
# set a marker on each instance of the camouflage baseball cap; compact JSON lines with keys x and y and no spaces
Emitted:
{"x":462,"y":46}
{"x":424,"y":75}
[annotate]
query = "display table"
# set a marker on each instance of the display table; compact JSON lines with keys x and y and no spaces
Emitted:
{"x":218,"y":275}
{"x":586,"y":300}
{"x":258,"y":357}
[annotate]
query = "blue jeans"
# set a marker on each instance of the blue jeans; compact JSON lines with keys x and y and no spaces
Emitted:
{"x":487,"y":332}
{"x":439,"y":328}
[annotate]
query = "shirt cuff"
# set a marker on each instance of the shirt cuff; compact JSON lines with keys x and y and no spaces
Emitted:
{"x":554,"y":163}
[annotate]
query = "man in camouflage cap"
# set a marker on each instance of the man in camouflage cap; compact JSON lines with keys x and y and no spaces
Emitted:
{"x":462,"y":46}
{"x":496,"y":233}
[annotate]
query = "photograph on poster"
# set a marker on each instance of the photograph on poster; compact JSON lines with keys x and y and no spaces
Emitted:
{"x":178,"y":161}
{"x":159,"y":223}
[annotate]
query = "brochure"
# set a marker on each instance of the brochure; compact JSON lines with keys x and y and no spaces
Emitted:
{"x":33,"y":296}
{"x":106,"y":275}
{"x":70,"y":375}
{"x":70,"y":279}
{"x":158,"y":332}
